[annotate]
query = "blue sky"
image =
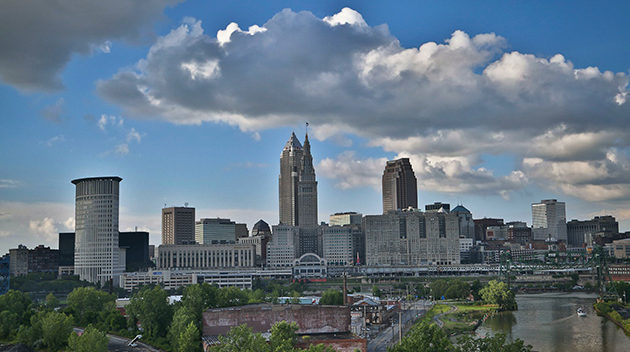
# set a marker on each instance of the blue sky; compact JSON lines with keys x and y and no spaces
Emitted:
{"x":473,"y":92}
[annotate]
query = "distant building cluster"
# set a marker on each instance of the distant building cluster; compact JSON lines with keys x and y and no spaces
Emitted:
{"x":224,"y":252}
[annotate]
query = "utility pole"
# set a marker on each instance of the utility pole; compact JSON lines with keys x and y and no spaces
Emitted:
{"x":400,"y":322}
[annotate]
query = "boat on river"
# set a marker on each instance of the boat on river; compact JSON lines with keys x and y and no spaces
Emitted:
{"x":581,"y":312}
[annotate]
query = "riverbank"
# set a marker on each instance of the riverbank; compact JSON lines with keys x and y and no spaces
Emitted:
{"x":615,"y":312}
{"x":458,"y":318}
{"x":548,"y":322}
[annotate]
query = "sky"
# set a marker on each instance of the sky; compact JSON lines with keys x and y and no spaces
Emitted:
{"x":498,"y":104}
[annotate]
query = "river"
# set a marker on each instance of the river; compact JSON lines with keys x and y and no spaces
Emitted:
{"x":549,"y":323}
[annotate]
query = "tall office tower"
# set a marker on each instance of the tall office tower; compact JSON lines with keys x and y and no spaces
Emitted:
{"x":297,"y":185}
{"x":400,"y":189}
{"x":96,"y":252}
{"x":549,"y":219}
{"x":178,"y":225}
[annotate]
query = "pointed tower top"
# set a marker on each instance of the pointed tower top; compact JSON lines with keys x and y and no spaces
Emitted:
{"x":293,"y":142}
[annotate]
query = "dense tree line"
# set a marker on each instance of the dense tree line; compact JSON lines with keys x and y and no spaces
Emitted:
{"x":283,"y":339}
{"x":44,"y":326}
{"x":427,"y":337}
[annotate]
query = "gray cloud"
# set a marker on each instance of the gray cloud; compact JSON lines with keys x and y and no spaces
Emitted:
{"x":40,"y":36}
{"x":444,"y":103}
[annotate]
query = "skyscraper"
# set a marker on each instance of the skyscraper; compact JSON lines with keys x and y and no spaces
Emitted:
{"x":178,"y":225}
{"x":400,"y":189}
{"x":97,"y":255}
{"x":297,"y":185}
{"x":549,"y":219}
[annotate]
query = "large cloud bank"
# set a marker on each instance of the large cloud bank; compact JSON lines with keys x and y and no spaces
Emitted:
{"x":38,"y":37}
{"x":444,"y":104}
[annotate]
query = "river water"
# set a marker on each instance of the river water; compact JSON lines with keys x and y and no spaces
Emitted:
{"x":549,"y":323}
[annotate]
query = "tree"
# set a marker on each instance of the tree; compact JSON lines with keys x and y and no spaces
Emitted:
{"x":438,"y":288}
{"x":56,"y":327}
{"x":87,"y":303}
{"x":241,"y":339}
{"x":497,"y":292}
{"x":7,"y":324}
{"x":231,"y":297}
{"x":111,"y":321}
{"x":52,"y":301}
{"x":18,"y":303}
{"x":424,"y":337}
{"x":621,"y":288}
{"x":496,"y":343}
{"x":376,"y":291}
{"x":189,"y":339}
{"x":474,"y":289}
{"x":332,"y":297}
{"x":193,"y":300}
{"x":283,"y":336}
{"x":181,"y":319}
{"x":457,"y":289}
{"x":92,"y":340}
{"x":150,"y":307}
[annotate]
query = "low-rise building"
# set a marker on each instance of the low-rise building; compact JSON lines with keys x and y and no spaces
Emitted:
{"x":329,"y":325}
{"x":37,"y":260}
{"x":165,"y":278}
{"x":215,"y":230}
{"x":346,"y":218}
{"x":310,"y":265}
{"x":173,"y":256}
{"x":621,"y":248}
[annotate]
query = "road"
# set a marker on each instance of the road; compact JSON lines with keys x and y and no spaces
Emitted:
{"x":119,"y":344}
{"x":389,"y":334}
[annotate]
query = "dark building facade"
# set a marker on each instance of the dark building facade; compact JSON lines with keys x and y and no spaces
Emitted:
{"x":66,"y":249}
{"x":43,"y":260}
{"x":37,"y":260}
{"x":136,"y":244}
{"x":481,"y":225}
{"x":400,"y":189}
{"x":578,"y":230}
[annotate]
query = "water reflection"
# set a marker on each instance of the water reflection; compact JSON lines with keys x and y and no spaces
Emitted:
{"x":549,"y":323}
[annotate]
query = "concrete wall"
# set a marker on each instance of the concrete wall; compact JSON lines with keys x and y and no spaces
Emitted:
{"x":312,"y":319}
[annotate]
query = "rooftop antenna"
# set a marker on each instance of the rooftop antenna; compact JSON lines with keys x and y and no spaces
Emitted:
{"x":186,"y":204}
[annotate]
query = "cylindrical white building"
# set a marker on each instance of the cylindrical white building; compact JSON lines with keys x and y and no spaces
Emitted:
{"x":96,"y":251}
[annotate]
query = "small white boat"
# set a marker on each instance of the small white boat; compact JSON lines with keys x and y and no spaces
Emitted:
{"x":581,"y":312}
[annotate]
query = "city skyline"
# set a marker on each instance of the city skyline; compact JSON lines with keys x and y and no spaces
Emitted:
{"x":63,"y":120}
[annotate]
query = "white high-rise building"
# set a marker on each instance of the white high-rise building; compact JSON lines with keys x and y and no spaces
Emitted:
{"x":549,"y":220}
{"x":283,"y":248}
{"x":97,"y":257}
